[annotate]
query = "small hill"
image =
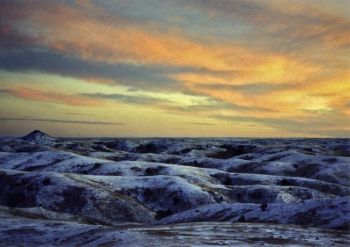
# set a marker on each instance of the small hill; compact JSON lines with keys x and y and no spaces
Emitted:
{"x":38,"y":137}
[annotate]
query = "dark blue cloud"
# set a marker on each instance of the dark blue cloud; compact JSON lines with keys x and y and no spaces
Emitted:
{"x":151,"y":77}
{"x":50,"y":62}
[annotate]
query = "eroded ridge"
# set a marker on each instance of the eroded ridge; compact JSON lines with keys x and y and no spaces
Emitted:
{"x":203,"y":191}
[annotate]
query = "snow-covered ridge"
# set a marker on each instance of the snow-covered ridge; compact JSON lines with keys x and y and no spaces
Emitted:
{"x":126,"y":182}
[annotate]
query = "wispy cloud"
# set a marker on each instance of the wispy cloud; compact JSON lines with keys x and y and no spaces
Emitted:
{"x":327,"y":125}
{"x":296,"y":22}
{"x":130,"y":99}
{"x":60,"y":121}
{"x":50,"y":97}
{"x":249,"y":88}
{"x":204,"y":124}
{"x":67,"y":65}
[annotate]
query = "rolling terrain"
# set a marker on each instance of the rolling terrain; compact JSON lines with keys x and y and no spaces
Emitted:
{"x":174,"y":192}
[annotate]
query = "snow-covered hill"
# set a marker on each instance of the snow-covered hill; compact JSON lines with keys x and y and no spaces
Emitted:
{"x":122,"y":189}
{"x":38,"y":137}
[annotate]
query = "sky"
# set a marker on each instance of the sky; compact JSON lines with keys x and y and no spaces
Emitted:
{"x":175,"y":68}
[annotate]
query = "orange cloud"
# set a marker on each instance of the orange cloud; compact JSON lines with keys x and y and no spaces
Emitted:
{"x":112,"y":39}
{"x":50,"y":97}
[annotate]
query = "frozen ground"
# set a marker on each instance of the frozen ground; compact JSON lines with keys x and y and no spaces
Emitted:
{"x":174,"y":192}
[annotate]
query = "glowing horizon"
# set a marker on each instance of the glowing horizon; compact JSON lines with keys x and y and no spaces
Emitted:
{"x":175,"y":68}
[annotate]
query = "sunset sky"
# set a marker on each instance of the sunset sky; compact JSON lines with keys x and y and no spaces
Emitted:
{"x":225,"y":68}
